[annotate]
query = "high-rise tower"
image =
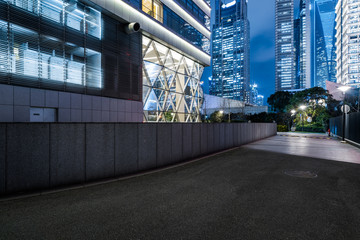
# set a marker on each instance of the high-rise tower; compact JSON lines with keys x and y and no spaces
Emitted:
{"x":284,"y":45}
{"x":326,"y":9}
{"x":347,"y":43}
{"x":312,"y":35}
{"x":231,"y":50}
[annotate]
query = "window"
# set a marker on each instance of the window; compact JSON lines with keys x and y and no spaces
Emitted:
{"x":153,"y":8}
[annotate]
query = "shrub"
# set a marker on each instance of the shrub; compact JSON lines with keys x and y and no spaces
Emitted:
{"x":282,"y":128}
{"x":309,"y":128}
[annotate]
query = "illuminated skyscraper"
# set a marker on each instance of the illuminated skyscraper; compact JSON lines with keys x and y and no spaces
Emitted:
{"x":284,"y":45}
{"x":317,"y":34}
{"x":326,"y":9}
{"x":348,"y":42}
{"x":231,"y":50}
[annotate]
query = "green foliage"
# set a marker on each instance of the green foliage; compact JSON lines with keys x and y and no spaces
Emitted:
{"x":310,"y":128}
{"x":320,"y":106}
{"x":282,"y":128}
{"x":169,"y":116}
{"x":279,"y":100}
{"x":280,"y":118}
{"x":216,"y":117}
{"x":304,"y":97}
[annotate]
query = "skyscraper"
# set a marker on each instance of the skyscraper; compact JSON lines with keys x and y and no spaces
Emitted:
{"x":231,"y":50}
{"x":313,"y":41}
{"x":284,"y":45}
{"x":305,"y":37}
{"x":348,"y":43}
{"x":326,"y":9}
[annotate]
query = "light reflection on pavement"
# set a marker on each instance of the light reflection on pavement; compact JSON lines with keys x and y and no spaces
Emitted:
{"x":309,"y":145}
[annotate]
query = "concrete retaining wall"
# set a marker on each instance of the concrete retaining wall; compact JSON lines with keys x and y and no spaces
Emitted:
{"x":36,"y":156}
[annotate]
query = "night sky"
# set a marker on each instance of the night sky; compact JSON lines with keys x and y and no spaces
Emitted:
{"x":261,"y":14}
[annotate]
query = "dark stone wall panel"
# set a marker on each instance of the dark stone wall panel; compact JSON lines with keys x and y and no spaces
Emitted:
{"x":27,"y":157}
{"x":100,"y":156}
{"x":67,"y":154}
{"x":126,"y":148}
{"x":176,"y":143}
{"x":204,"y":139}
{"x":163,"y":144}
{"x":196,"y":140}
{"x":147,"y":146}
{"x":210,"y":138}
{"x":187,"y":141}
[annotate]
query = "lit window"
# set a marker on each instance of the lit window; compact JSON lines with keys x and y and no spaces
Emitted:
{"x":153,"y":8}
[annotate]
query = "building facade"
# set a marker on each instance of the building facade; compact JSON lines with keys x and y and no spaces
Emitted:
{"x":284,"y":45}
{"x":326,"y":9}
{"x":313,"y":41}
{"x":94,"y":61}
{"x":347,"y":43}
{"x":231,"y":51}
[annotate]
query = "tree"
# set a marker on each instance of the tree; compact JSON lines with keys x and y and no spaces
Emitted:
{"x":279,"y":100}
{"x":216,"y":117}
{"x":319,"y":106}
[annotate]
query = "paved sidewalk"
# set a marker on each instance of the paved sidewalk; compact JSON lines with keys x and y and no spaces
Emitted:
{"x":246,"y":193}
{"x":317,"y":145}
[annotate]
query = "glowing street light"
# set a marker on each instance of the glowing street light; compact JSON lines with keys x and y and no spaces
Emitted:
{"x":221,"y":112}
{"x":302,"y":107}
{"x":343,"y":88}
{"x":293,"y":111}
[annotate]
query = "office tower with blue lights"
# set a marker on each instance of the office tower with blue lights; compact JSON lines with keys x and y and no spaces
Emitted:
{"x":326,"y":29}
{"x":284,"y":45}
{"x":316,"y":62}
{"x":102,"y":60}
{"x":231,"y":51}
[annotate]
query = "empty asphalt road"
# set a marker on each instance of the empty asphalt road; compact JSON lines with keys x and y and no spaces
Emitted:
{"x":264,"y":190}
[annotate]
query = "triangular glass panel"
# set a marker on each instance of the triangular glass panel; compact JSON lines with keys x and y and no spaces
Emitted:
{"x":152,"y":70}
{"x":159,"y":82}
{"x":170,"y":78}
{"x":151,"y":103}
{"x":169,"y":62}
{"x":176,"y":58}
{"x":161,"y":52}
{"x":150,"y":54}
{"x":183,"y":67}
{"x":146,"y":91}
{"x":189,"y":65}
{"x":146,"y":80}
{"x":181,"y":81}
{"x":145,"y":43}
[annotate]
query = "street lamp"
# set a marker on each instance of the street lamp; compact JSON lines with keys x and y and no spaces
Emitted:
{"x":293,"y":112}
{"x":343,"y":89}
{"x":302,"y":107}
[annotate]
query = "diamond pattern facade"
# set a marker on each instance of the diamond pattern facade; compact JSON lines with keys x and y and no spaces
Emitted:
{"x":171,"y":85}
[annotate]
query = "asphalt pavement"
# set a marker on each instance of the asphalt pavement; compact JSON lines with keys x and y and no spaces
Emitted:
{"x":264,"y":190}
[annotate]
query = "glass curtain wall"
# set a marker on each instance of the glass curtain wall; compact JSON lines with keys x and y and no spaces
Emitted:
{"x":30,"y":54}
{"x":171,"y":85}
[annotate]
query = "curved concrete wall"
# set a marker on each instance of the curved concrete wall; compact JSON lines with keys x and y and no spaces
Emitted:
{"x":37,"y":156}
